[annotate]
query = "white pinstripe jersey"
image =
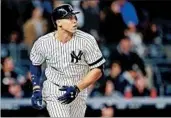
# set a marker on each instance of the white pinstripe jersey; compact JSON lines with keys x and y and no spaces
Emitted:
{"x":67,"y":63}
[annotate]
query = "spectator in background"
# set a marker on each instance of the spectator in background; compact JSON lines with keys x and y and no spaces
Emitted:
{"x":10,"y":48}
{"x":47,"y":7}
{"x":15,"y":48}
{"x":127,"y":80}
{"x":115,"y":70}
{"x":152,"y":35}
{"x":153,"y":39}
{"x":117,"y":19}
{"x":107,"y":111}
{"x":14,"y":40}
{"x":115,"y":73}
{"x":140,"y":88}
{"x":109,"y":89}
{"x":15,"y":91}
{"x":90,"y":9}
{"x":126,"y":57}
{"x":15,"y":37}
{"x":128,"y":12}
{"x":136,"y":39}
{"x":8,"y":75}
{"x":35,"y":27}
{"x":113,"y":26}
{"x":155,"y":34}
{"x":108,"y":86}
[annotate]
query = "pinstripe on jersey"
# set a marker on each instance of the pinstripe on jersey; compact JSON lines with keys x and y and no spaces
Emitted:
{"x":60,"y":68}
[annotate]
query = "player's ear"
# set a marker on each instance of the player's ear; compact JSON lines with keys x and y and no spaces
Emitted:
{"x":58,"y":22}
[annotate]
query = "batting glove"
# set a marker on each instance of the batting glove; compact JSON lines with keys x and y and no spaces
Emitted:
{"x":36,"y":99}
{"x":70,"y":95}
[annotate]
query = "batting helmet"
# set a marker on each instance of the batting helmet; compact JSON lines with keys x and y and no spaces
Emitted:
{"x":62,"y":12}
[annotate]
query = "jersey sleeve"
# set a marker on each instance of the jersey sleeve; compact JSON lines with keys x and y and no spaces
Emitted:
{"x":93,"y":55}
{"x":36,"y":54}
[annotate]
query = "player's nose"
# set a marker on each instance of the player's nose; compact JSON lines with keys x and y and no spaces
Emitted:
{"x":74,"y":20}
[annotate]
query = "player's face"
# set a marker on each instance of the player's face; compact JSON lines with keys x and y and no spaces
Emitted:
{"x":69,"y":24}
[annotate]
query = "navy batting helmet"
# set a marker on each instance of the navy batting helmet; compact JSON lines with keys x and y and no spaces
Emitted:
{"x":62,"y":12}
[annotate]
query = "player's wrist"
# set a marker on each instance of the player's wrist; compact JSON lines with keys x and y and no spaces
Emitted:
{"x":77,"y":89}
{"x":36,"y":88}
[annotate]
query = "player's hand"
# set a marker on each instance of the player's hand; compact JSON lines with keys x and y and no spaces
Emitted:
{"x":70,"y":95}
{"x":36,"y":100}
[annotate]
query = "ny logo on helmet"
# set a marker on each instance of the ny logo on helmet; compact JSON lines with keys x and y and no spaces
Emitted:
{"x":63,"y":11}
{"x":70,"y":8}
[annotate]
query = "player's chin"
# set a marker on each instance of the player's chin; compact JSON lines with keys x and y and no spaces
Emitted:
{"x":73,"y":30}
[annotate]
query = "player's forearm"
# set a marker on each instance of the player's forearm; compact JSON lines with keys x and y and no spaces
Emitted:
{"x":90,"y":78}
{"x":35,"y":76}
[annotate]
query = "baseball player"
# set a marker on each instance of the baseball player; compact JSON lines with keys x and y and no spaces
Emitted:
{"x":74,"y":61}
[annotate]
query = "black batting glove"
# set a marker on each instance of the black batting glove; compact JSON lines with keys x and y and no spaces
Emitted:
{"x":70,"y":95}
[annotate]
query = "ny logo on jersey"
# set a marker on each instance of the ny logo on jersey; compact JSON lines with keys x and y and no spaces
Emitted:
{"x":75,"y":57}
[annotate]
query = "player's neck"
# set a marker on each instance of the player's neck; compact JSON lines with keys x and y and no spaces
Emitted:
{"x":63,"y":36}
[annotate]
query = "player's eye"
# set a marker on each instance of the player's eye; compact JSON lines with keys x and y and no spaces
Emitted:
{"x":72,"y":17}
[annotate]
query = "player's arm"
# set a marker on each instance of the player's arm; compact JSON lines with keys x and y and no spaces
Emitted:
{"x":90,"y":78}
{"x":36,"y":98}
{"x":95,"y":60}
{"x":36,"y":72}
{"x":37,"y":58}
{"x":72,"y":91}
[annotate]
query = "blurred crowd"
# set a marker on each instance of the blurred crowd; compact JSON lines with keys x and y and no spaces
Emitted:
{"x":126,"y":40}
